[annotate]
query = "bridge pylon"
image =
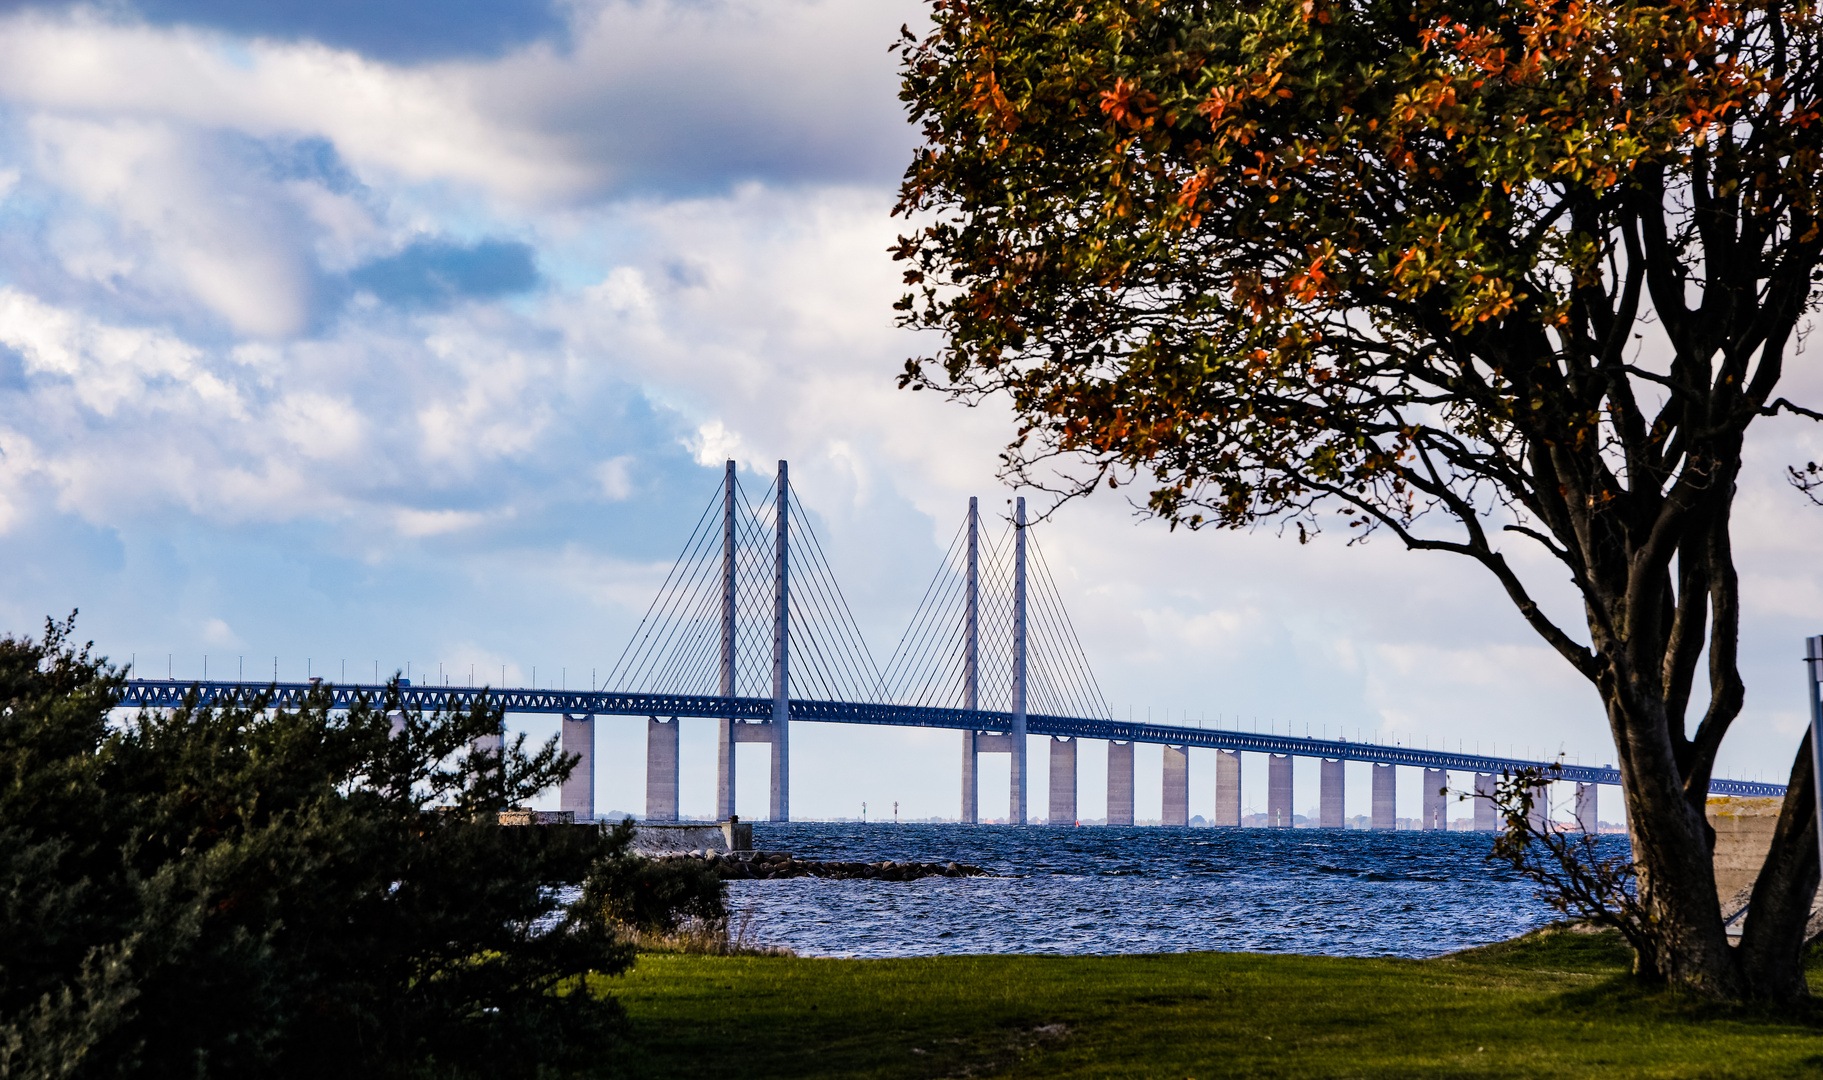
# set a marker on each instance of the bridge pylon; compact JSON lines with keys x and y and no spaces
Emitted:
{"x":750,"y":618}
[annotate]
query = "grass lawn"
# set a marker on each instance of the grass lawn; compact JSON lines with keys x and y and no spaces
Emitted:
{"x":1554,"y":1004}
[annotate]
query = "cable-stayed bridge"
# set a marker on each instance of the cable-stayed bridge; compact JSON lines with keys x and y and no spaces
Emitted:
{"x":751,"y":629}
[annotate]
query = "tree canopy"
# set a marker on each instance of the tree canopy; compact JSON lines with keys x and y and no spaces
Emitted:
{"x":1470,"y":272}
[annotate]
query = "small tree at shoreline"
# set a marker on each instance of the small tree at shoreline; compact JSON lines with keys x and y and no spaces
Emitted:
{"x":1402,"y":260}
{"x":1572,"y":873}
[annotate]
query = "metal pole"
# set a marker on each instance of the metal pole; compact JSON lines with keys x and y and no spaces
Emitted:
{"x":724,"y":755}
{"x":1813,"y":657}
{"x":971,"y":800}
{"x":1018,"y":734}
{"x":781,"y":656}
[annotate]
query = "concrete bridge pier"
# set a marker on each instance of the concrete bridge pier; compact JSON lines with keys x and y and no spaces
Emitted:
{"x":578,"y":792}
{"x":1278,"y":791}
{"x":661,"y":770}
{"x":493,"y":745}
{"x":1487,"y":818}
{"x":971,"y":780}
{"x":755,"y":731}
{"x":1331,"y":785}
{"x":1120,"y":783}
{"x":1540,"y":817}
{"x":1386,"y":797}
{"x":1588,"y":818}
{"x":1436,"y":803}
{"x":1228,"y":788}
{"x":1177,"y":786}
{"x":1063,"y":782}
{"x":987,"y":742}
{"x":724,"y":769}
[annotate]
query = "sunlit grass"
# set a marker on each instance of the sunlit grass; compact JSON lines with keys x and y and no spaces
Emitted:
{"x":1554,"y":1004}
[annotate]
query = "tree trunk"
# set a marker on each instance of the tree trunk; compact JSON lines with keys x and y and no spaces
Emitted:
{"x":1772,"y":943}
{"x":1671,"y":853}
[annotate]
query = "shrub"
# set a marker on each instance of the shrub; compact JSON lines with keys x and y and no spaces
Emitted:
{"x":242,"y":890}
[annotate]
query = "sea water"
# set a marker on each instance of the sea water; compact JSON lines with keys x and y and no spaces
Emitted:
{"x":1145,"y":889}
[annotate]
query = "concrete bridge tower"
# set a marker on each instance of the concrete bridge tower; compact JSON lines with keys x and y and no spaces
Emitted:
{"x":724,"y":754}
{"x":1016,"y":790}
{"x":781,"y":655}
{"x":971,"y":657}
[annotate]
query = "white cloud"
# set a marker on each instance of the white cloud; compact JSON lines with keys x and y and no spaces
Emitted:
{"x":714,"y":444}
{"x":218,"y":632}
{"x":663,"y":93}
{"x":186,"y":223}
{"x":615,"y":477}
{"x":420,"y":523}
{"x":109,"y":370}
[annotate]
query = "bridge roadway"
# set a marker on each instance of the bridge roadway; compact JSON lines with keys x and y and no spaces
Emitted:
{"x":744,"y":711}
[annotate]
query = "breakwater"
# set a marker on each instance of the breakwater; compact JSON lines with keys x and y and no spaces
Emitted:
{"x":768,"y":865}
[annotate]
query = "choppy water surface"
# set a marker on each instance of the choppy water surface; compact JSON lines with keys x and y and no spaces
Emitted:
{"x":1123,"y":890}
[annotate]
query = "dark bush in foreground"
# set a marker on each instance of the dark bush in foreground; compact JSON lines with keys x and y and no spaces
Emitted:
{"x":240,"y":891}
{"x":647,"y":895}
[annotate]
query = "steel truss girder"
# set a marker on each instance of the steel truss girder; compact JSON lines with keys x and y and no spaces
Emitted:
{"x":168,"y":694}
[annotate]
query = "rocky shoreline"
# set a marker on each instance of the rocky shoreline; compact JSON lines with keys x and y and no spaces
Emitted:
{"x":771,"y":865}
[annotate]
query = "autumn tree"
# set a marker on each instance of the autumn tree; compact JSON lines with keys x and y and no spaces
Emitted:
{"x":1474,"y":273}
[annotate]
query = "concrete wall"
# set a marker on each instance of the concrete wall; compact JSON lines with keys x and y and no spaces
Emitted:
{"x":1386,"y":802}
{"x":1278,"y":791}
{"x":1063,"y":782}
{"x":1436,"y":803}
{"x":578,"y":792}
{"x":1330,"y":791}
{"x":1120,"y":783}
{"x":1177,"y":786}
{"x":675,"y":839}
{"x":661,"y":770}
{"x":1228,"y":788}
{"x":1487,"y":819}
{"x":1743,"y":834}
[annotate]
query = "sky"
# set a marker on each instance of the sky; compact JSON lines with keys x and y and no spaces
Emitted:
{"x":341,"y":337}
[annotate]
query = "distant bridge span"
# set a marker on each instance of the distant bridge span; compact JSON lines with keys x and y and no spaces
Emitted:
{"x":167,"y":693}
{"x":750,"y":629}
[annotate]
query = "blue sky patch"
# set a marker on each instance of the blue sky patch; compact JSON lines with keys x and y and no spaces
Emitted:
{"x":403,"y":31}
{"x":437,"y":273}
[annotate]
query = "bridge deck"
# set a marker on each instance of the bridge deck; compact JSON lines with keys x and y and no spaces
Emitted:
{"x":164,"y":694}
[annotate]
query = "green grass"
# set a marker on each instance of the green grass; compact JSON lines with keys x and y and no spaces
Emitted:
{"x":1554,"y":1004}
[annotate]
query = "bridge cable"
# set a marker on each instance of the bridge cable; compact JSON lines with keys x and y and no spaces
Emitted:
{"x":1091,"y":688}
{"x":858,"y":659}
{"x":663,"y":591}
{"x":895,"y":676}
{"x":920,"y":673}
